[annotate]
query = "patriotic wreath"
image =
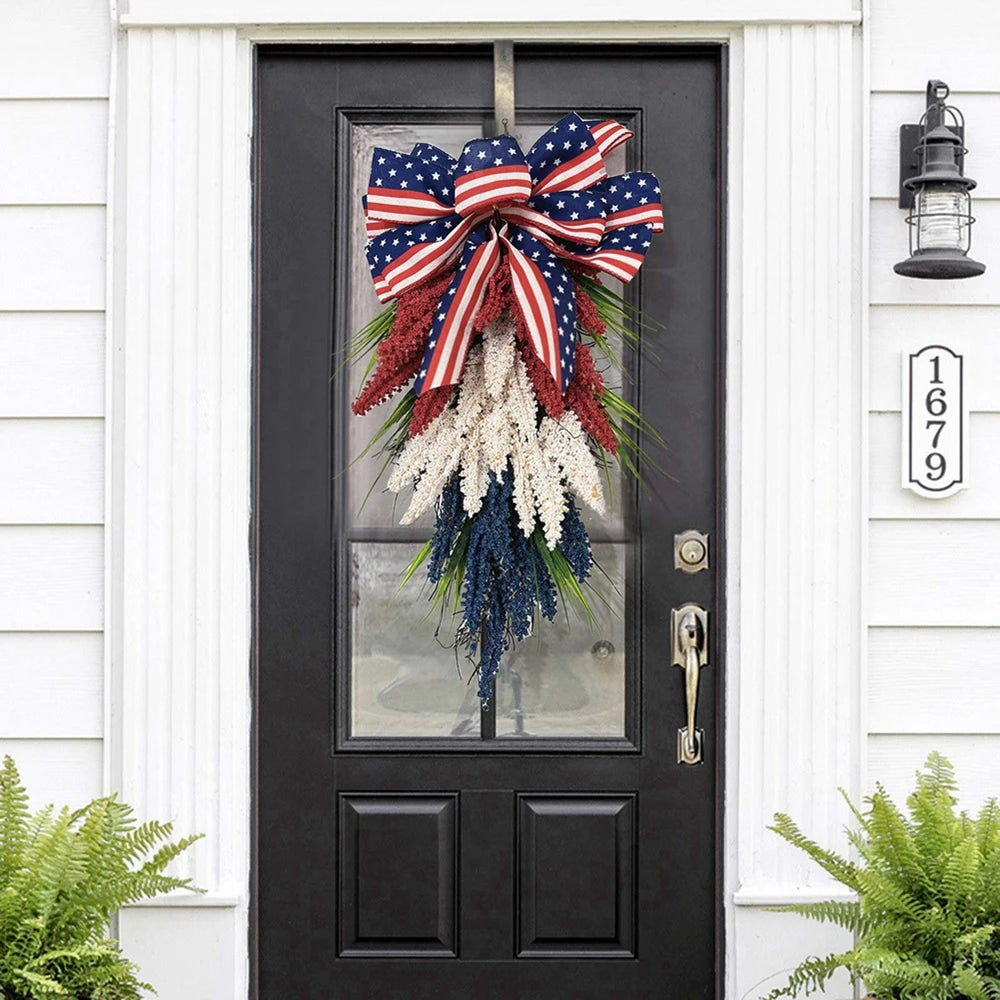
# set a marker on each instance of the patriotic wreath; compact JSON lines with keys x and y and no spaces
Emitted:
{"x":491,"y":263}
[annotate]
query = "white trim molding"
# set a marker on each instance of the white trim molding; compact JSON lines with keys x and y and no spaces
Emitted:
{"x":795,"y":477}
{"x":519,"y":13}
{"x":180,"y":598}
{"x":799,"y":533}
{"x":179,"y":618}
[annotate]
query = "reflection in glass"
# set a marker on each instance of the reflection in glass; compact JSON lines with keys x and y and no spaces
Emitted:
{"x":569,"y":679}
{"x":566,"y":681}
{"x":403,"y":681}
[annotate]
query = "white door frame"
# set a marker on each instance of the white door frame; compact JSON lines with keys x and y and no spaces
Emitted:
{"x":179,"y":589}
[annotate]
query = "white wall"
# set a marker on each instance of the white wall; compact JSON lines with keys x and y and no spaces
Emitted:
{"x":54,"y":70}
{"x":934,"y":565}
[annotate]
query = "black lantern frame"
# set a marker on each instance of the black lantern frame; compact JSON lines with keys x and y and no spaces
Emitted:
{"x":933,"y":184}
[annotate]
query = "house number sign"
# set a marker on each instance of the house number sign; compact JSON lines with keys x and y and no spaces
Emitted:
{"x":935,"y":422}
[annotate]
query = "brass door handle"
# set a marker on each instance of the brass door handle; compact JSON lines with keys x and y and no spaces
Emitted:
{"x":689,"y":637}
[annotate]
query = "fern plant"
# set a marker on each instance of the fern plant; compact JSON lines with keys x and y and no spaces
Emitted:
{"x":61,"y":876}
{"x":927,"y":916}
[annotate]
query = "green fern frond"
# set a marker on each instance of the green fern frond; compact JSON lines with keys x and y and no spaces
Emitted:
{"x":61,"y":876}
{"x":813,"y":974}
{"x":988,"y":824}
{"x":938,"y":775}
{"x":927,"y":920}
{"x":972,"y":982}
{"x":889,"y":972}
{"x":969,"y":983}
{"x":885,"y":896}
{"x":40,"y":987}
{"x":840,"y":868}
{"x":14,"y":820}
{"x":932,"y":805}
{"x":888,"y":842}
{"x":843,"y":913}
{"x":961,"y":875}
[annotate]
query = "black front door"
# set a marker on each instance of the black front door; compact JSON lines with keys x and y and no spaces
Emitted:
{"x":408,"y":844}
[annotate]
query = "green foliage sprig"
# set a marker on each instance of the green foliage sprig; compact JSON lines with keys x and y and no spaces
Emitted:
{"x":927,"y":916}
{"x":61,"y":876}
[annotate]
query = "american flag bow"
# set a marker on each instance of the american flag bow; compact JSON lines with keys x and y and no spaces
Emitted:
{"x":555,"y":206}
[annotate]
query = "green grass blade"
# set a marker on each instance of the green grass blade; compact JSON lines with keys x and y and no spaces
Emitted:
{"x":415,"y":563}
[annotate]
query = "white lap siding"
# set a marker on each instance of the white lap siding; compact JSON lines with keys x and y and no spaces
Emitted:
{"x":934,"y":565}
{"x":54,"y":68}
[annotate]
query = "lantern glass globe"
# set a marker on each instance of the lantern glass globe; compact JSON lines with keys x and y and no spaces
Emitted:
{"x":943,"y":212}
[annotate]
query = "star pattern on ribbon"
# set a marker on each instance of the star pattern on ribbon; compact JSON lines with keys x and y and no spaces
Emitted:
{"x":554,"y":207}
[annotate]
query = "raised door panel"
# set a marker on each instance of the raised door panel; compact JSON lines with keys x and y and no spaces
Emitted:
{"x":576,"y":876}
{"x":398,"y":860}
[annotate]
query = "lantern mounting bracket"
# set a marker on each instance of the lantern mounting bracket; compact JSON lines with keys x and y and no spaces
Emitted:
{"x":910,"y":137}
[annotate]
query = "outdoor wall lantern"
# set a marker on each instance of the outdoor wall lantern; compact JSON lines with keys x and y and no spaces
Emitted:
{"x":933,"y":187}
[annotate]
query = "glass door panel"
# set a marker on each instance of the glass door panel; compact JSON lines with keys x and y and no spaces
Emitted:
{"x":404,"y":682}
{"x":569,"y":680}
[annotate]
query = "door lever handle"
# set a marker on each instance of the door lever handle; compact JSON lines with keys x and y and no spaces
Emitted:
{"x":689,"y":639}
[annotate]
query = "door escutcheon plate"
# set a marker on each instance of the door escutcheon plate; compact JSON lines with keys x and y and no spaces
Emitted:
{"x":689,"y":650}
{"x":690,"y":551}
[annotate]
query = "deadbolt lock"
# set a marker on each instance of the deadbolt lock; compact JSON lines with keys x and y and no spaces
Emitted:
{"x":691,"y":551}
